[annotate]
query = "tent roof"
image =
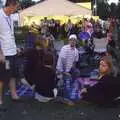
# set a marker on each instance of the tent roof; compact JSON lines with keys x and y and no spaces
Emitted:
{"x":55,"y":7}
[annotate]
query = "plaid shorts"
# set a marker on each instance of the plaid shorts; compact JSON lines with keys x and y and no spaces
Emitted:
{"x":11,"y":66}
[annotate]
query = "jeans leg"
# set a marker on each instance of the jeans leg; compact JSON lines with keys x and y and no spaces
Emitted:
{"x":75,"y":73}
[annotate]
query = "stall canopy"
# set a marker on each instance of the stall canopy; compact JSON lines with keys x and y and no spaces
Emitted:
{"x":54,"y":8}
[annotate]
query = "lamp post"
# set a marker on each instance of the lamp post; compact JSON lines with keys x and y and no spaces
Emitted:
{"x":95,"y":7}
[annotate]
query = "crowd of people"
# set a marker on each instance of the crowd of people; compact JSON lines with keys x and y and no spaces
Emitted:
{"x":69,"y":85}
{"x":58,"y":30}
{"x":53,"y":76}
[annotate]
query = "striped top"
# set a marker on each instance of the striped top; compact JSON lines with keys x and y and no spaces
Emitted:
{"x":67,"y":57}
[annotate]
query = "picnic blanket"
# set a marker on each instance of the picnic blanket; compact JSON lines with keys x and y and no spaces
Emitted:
{"x":71,"y":88}
{"x":22,"y":90}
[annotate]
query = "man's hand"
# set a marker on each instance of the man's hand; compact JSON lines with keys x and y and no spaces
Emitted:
{"x":84,"y":90}
{"x":18,"y":51}
{"x":59,"y":75}
{"x":2,"y":58}
{"x":74,"y":65}
{"x":67,"y":73}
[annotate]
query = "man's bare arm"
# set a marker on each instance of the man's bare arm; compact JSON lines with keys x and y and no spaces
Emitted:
{"x":2,"y":57}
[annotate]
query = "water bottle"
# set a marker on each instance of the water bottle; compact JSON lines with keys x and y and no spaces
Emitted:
{"x":73,"y":93}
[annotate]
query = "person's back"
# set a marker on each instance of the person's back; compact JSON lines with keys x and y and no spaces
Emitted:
{"x":33,"y":58}
{"x":46,"y":82}
{"x":45,"y":78}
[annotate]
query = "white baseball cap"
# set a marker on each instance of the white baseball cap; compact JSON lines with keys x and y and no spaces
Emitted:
{"x":73,"y":36}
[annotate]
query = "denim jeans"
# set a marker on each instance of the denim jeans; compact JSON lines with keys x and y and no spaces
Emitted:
{"x":74,"y":73}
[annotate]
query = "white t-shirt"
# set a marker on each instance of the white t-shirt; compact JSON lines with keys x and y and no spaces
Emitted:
{"x":7,"y":39}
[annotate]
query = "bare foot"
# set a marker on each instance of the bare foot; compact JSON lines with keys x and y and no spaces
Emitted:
{"x":1,"y":102}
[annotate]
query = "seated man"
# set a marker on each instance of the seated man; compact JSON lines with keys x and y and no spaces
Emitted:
{"x":68,"y":57}
{"x":66,"y":67}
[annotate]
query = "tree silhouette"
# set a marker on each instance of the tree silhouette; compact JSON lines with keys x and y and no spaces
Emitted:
{"x":26,"y":3}
{"x":1,"y":3}
{"x":80,"y":1}
{"x":103,"y":10}
{"x":118,"y":11}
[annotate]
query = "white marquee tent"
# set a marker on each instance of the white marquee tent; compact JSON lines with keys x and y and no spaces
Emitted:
{"x":54,"y":8}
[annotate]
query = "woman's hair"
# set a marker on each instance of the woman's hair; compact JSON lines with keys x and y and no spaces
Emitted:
{"x":48,"y":58}
{"x":39,"y":42}
{"x":108,"y":61}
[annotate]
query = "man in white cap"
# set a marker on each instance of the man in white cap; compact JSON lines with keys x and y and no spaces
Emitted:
{"x":66,"y":68}
{"x":68,"y":56}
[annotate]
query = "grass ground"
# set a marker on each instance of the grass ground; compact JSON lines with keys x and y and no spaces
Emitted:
{"x":29,"y":109}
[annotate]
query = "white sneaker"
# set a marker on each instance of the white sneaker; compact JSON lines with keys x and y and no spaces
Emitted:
{"x":55,"y":92}
{"x":118,"y":98}
{"x":41,"y":98}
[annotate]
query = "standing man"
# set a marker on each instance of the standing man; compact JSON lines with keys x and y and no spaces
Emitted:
{"x":8,"y":48}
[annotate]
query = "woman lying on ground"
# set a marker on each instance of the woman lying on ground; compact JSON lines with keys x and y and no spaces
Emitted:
{"x":107,"y":89}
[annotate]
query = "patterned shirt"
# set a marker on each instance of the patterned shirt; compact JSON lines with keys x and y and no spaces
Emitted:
{"x":67,"y":57}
